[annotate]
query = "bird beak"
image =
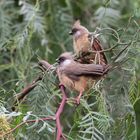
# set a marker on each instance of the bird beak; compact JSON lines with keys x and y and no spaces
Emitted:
{"x":57,"y":60}
{"x":70,"y":33}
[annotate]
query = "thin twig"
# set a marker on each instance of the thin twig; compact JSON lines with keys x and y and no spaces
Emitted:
{"x":56,"y":118}
{"x":110,"y":49}
{"x":26,"y":90}
{"x":28,"y":121}
{"x":44,"y":64}
{"x":116,"y":57}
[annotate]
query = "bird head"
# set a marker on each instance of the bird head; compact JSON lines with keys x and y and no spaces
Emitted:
{"x":78,"y":30}
{"x":65,"y":59}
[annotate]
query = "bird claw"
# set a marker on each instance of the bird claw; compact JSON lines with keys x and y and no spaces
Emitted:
{"x":74,"y":100}
{"x":77,"y":100}
{"x":60,"y":85}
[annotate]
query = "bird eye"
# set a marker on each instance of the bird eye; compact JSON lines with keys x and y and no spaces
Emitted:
{"x":61,"y":59}
{"x":73,"y":31}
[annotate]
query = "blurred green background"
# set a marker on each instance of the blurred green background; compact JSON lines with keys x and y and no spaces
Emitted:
{"x":31,"y":30}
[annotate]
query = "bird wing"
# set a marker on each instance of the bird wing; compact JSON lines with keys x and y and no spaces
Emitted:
{"x":97,"y":47}
{"x":84,"y":70}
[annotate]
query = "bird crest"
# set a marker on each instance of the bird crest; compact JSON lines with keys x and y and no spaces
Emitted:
{"x":76,"y":24}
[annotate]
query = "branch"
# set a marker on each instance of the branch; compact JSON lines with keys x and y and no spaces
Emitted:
{"x":28,"y":121}
{"x":110,"y":49}
{"x":117,"y":56}
{"x":56,"y":117}
{"x":58,"y":113}
{"x":45,"y":65}
{"x":26,"y":90}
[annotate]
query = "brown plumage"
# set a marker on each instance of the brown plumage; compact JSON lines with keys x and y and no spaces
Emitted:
{"x":76,"y":76}
{"x":84,"y":43}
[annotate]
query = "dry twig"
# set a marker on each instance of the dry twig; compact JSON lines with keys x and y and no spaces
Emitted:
{"x":56,"y":118}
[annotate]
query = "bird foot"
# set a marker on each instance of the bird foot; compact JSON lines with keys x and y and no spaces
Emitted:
{"x":77,"y":100}
{"x":74,"y":100}
{"x":61,"y":85}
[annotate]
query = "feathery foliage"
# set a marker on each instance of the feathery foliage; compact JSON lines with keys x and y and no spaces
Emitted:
{"x":34,"y":30}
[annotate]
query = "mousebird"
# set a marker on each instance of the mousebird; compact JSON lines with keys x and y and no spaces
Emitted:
{"x":76,"y":76}
{"x":84,"y":42}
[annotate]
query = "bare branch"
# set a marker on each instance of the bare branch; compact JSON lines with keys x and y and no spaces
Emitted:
{"x":26,"y":90}
{"x":28,"y":121}
{"x":44,"y":64}
{"x":54,"y":118}
{"x":58,"y":113}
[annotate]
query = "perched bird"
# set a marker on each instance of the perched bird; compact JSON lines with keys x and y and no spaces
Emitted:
{"x":76,"y":76}
{"x":84,"y":43}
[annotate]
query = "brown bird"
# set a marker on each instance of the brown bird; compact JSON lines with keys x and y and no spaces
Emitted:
{"x":78,"y":77}
{"x":84,"y":43}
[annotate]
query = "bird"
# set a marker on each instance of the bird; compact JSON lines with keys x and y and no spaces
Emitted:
{"x":84,"y":43}
{"x":76,"y":76}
